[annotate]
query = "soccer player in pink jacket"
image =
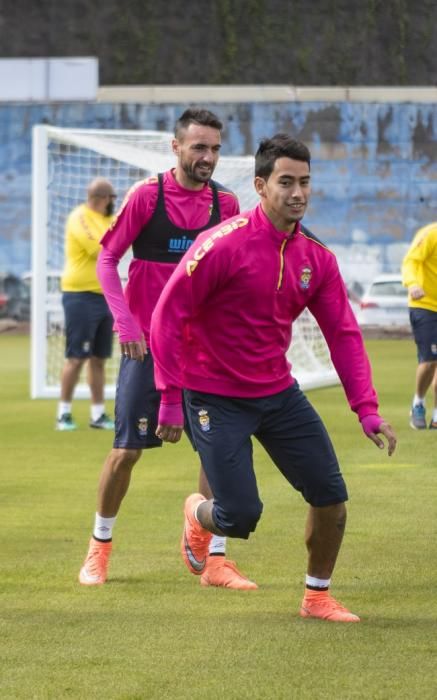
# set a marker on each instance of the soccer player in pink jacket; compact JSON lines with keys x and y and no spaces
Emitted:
{"x":159,"y":218}
{"x":220,"y":332}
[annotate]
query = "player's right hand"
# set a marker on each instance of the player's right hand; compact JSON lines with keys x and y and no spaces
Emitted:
{"x":134,"y":349}
{"x":416,"y":292}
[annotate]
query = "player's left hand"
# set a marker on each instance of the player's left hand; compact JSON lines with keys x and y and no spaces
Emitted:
{"x":169,"y":433}
{"x":373,"y":425}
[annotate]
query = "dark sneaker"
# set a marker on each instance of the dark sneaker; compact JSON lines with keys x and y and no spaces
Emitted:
{"x":65,"y":422}
{"x":104,"y":422}
{"x":433,"y":425}
{"x":417,"y":417}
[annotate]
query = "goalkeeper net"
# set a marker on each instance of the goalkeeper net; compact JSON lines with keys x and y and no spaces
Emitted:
{"x":64,"y":162}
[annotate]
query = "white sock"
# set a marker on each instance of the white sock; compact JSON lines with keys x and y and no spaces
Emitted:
{"x":97,"y":410}
{"x":103,"y":527}
{"x":317,"y":582}
{"x":417,"y":401}
{"x":217,"y":545}
{"x":63,"y":407}
{"x":434,"y":415}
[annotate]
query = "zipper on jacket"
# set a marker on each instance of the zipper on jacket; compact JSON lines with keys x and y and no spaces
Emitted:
{"x":281,"y":263}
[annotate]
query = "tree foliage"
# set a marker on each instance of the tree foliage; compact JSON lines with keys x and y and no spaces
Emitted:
{"x":326,"y":42}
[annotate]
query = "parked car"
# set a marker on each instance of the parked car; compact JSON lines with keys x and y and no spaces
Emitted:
{"x":14,"y":298}
{"x":384,"y":302}
{"x":3,"y":304}
{"x":52,"y":303}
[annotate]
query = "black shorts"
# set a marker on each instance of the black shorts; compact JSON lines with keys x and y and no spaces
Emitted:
{"x":424,"y":327}
{"x":137,"y":405}
{"x":288,"y":428}
{"x":88,"y":325}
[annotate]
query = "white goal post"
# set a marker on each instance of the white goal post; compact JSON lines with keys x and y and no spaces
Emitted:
{"x":64,"y":161}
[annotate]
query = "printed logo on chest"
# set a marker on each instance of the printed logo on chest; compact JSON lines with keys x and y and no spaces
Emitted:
{"x":305,"y":277}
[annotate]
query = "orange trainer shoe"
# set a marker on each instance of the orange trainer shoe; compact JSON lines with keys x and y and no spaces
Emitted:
{"x":222,"y":572}
{"x":195,"y":539}
{"x":95,"y":567}
{"x":322,"y":605}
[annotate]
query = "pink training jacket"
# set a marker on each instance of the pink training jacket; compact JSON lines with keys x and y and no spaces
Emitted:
{"x":188,"y":209}
{"x":223,"y":322}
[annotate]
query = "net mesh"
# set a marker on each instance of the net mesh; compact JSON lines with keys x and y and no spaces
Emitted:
{"x":73,"y":158}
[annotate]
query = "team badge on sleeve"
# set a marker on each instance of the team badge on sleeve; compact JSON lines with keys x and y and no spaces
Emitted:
{"x":305,"y":277}
{"x":204,"y":421}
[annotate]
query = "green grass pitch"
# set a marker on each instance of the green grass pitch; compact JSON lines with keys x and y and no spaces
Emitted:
{"x":152,"y":631}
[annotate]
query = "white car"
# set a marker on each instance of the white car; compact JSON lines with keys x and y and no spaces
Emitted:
{"x":384,"y":302}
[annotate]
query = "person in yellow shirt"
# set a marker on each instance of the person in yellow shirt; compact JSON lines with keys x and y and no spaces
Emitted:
{"x":88,"y":320}
{"x":419,"y":275}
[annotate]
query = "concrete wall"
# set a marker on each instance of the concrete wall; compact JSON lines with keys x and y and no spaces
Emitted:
{"x":374,"y":161}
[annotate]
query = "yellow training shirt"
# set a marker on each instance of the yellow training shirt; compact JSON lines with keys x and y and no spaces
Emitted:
{"x":83,"y":232}
{"x":419,"y":267}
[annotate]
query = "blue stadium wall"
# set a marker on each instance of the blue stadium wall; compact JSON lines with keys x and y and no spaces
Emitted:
{"x":374,"y":167}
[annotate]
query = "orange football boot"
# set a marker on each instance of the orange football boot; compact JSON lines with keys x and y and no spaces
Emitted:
{"x":322,"y":605}
{"x":222,"y":572}
{"x":195,"y":539}
{"x":95,"y":567}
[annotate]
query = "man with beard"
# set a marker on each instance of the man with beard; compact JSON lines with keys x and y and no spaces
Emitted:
{"x":220,"y":331}
{"x":88,"y":320}
{"x":160,"y":218}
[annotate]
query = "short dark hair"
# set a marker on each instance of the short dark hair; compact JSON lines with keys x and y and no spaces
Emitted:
{"x":203,"y":117}
{"x":279,"y":146}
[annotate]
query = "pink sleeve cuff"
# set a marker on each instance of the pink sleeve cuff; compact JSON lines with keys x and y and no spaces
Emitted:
{"x":171,"y":395}
{"x":367,"y":409}
{"x":171,"y":414}
{"x":371,"y":423}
